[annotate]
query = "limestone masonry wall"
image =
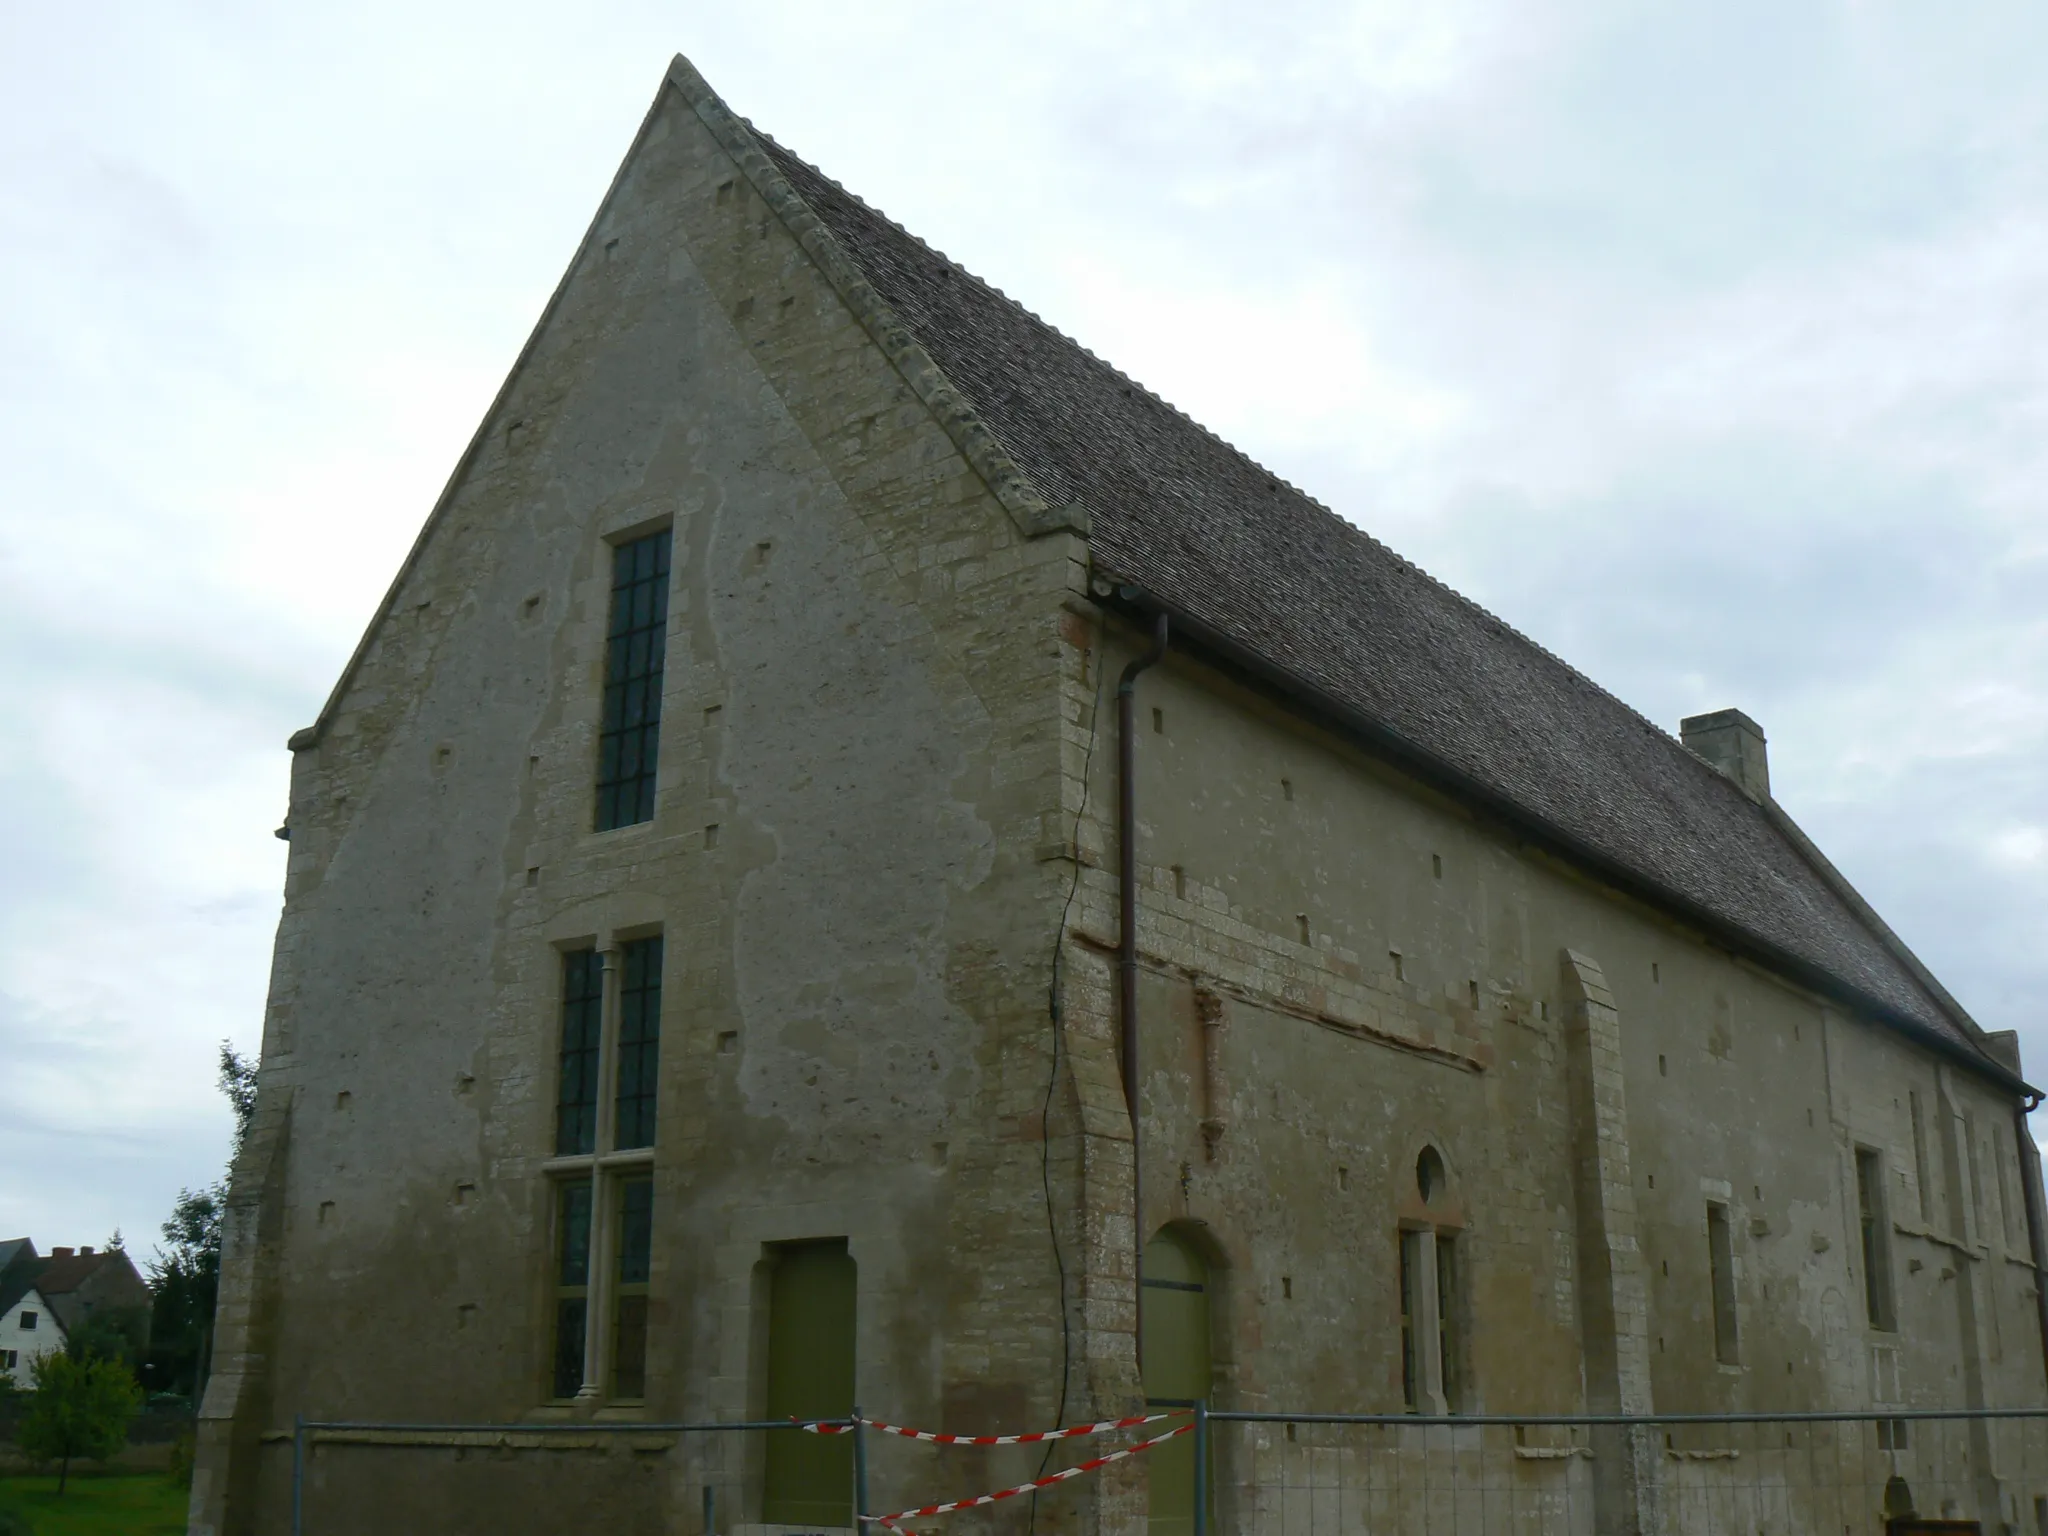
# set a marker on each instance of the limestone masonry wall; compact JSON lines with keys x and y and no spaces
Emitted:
{"x":858,"y":781}
{"x":882,"y":864}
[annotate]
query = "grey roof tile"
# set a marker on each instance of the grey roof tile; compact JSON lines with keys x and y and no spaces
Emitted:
{"x":1212,"y":534}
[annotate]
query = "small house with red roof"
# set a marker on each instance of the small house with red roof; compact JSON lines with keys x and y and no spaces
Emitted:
{"x":45,"y":1300}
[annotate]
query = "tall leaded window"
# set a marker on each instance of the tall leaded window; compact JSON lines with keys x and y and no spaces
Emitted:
{"x":629,"y":1306}
{"x":582,"y":1020}
{"x":572,"y":1283}
{"x":634,"y":642}
{"x":639,"y":1042}
{"x":603,"y":1167}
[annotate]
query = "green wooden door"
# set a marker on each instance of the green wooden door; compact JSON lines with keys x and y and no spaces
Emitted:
{"x":1176,"y":1371}
{"x":810,"y":1376}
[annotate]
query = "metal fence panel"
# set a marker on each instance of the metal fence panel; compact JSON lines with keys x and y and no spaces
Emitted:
{"x":1257,"y":1474}
{"x":1685,"y":1475}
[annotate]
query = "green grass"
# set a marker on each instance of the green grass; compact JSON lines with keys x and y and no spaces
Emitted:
{"x":148,"y":1504}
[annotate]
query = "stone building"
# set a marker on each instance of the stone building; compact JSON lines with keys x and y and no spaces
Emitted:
{"x":703,"y":989}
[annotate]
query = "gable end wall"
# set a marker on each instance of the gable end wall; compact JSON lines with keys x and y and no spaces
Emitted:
{"x":858,"y":791}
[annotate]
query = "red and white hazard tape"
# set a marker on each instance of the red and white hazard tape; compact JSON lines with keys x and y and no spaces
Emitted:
{"x":1036,"y":1483}
{"x":1036,"y":1437}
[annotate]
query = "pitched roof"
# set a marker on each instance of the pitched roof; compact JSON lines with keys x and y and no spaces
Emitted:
{"x":63,"y":1279}
{"x":15,"y":1284}
{"x":1265,"y":574}
{"x":61,"y":1275}
{"x":18,"y":1266}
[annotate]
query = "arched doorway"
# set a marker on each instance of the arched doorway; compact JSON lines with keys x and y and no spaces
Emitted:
{"x":1177,"y":1372}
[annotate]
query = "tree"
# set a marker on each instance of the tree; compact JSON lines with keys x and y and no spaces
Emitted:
{"x":184,"y":1277}
{"x":117,"y":1335}
{"x":184,"y":1280}
{"x":237,"y":1079}
{"x":77,"y":1408}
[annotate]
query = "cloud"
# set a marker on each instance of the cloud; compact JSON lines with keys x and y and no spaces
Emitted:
{"x":1698,"y":344}
{"x":2019,"y":847}
{"x":1708,"y":364}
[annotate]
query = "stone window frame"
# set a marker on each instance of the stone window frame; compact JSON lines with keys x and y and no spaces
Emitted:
{"x":608,"y":1169}
{"x":628,"y":799}
{"x":1723,"y":1291}
{"x":1426,"y":1308}
{"x":1874,"y":1238}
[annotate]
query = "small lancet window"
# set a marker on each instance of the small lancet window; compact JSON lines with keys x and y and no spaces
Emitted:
{"x":1432,"y":1302}
{"x":1721,"y":1284}
{"x":1874,"y":1227}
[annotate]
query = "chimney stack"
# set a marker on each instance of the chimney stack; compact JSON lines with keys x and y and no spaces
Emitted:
{"x":60,"y":1253}
{"x":1733,"y":743}
{"x":85,"y":1252}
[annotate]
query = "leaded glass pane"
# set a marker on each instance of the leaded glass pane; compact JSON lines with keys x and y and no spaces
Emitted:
{"x":582,"y":1015}
{"x":572,"y":1241}
{"x":639,"y":1042}
{"x":636,"y":1230}
{"x":634,"y":642}
{"x":629,"y":1357}
{"x":572,"y":1284}
{"x":570,"y":1314}
{"x":629,"y":1316}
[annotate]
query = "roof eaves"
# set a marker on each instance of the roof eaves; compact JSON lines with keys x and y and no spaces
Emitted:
{"x":1838,"y":882}
{"x":1386,"y":742}
{"x":19,"y":1290}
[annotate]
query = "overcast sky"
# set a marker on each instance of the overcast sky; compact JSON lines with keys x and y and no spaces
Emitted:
{"x":1705,"y":344}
